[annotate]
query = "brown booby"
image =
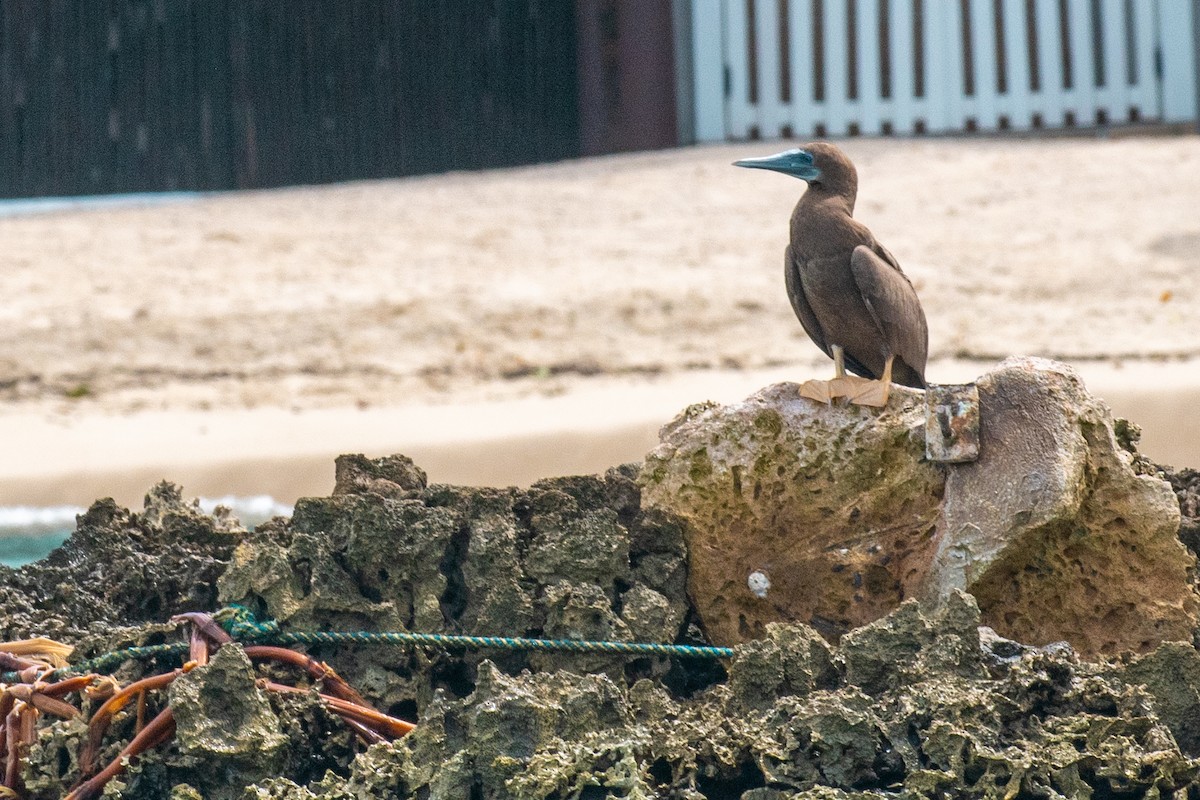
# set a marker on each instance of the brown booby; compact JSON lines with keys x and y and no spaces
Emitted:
{"x":849,"y":292}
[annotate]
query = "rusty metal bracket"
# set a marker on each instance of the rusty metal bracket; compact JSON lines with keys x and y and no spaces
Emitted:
{"x":952,"y":423}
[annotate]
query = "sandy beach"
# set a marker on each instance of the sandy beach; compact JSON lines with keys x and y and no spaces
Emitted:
{"x":506,"y":325}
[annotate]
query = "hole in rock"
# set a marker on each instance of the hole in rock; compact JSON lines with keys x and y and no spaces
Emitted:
{"x":638,"y":668}
{"x":687,"y":676}
{"x":723,"y":786}
{"x":454,"y":599}
{"x":455,"y":676}
{"x":405,"y":709}
{"x":661,"y":772}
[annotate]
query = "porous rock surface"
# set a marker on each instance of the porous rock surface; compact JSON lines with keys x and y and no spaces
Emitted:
{"x":1186,"y":483}
{"x":911,"y":706}
{"x":834,"y":507}
{"x":920,"y":703}
{"x":1054,"y":531}
{"x":120,"y":568}
{"x":224,"y":724}
{"x":567,"y":558}
{"x":832,"y":504}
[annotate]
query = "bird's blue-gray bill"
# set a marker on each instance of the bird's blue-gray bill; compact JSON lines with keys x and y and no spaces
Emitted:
{"x":797,"y":163}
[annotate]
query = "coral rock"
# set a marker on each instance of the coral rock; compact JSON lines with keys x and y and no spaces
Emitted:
{"x":1172,"y":676}
{"x":571,"y":557}
{"x":391,"y":476}
{"x":829,"y":515}
{"x":832,"y":507}
{"x":223,"y":718}
{"x":1051,"y":529}
{"x":794,"y":721}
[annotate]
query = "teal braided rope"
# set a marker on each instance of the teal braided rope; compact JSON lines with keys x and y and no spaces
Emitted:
{"x":499,"y":643}
{"x":115,"y":659}
{"x":242,"y":626}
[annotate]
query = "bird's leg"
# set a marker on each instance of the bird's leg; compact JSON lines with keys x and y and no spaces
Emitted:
{"x":825,"y":391}
{"x":841,"y":385}
{"x":876,"y":393}
{"x":844,"y":385}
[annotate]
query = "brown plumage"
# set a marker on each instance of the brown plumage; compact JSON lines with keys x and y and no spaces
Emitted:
{"x":846,"y":288}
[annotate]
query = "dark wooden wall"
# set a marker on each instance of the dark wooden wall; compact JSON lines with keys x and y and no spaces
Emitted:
{"x":100,"y":96}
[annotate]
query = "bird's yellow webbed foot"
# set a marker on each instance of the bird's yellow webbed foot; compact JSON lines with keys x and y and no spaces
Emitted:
{"x":874,"y":394}
{"x":821,"y":391}
{"x":841,"y":385}
{"x":859,"y":391}
{"x":848,"y":386}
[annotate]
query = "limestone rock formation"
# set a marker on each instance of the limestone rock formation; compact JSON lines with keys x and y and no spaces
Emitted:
{"x":1053,"y":531}
{"x":1171,"y":674}
{"x":121,"y":568}
{"x":797,"y":718}
{"x":1186,"y":483}
{"x":390,"y":476}
{"x":920,"y":703}
{"x":830,"y":515}
{"x":566,"y":558}
{"x":832,"y":508}
{"x":224,"y":724}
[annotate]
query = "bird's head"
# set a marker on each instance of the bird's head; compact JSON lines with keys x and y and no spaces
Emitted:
{"x":818,"y":163}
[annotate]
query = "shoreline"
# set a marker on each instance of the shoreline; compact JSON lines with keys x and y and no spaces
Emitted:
{"x":597,"y":423}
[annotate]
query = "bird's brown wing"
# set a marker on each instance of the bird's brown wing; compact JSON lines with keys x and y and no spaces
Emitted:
{"x":804,"y":312}
{"x":893,"y":303}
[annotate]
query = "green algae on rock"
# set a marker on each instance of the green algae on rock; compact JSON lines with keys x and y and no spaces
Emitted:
{"x":832,"y":506}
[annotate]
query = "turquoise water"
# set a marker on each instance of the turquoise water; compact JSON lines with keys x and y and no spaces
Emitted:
{"x":29,"y":533}
{"x":20,"y":549}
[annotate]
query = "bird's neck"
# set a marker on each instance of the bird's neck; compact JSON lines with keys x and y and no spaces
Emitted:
{"x":823,"y":224}
{"x":822,"y":199}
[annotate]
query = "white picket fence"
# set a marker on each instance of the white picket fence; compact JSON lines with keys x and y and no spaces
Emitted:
{"x":811,"y":68}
